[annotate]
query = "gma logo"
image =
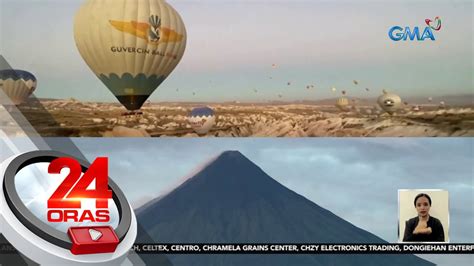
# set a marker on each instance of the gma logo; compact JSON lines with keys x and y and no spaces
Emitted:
{"x":398,"y":33}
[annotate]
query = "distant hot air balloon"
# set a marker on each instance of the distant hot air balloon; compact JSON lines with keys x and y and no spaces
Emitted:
{"x":389,"y":102}
{"x":343,"y":104}
{"x":132,"y":46}
{"x":442,"y":105}
{"x":289,"y":83}
{"x":367,"y":89}
{"x":274,"y":66}
{"x":343,"y":92}
{"x":18,"y":85}
{"x":255,"y":90}
{"x":202,"y":119}
{"x":333,"y":89}
{"x":307,"y":87}
{"x":430,"y":99}
{"x":355,"y":82}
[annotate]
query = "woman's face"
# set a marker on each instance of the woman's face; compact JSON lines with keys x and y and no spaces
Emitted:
{"x":422,"y":206}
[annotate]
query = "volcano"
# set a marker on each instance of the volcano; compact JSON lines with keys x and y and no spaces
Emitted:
{"x":232,"y":200}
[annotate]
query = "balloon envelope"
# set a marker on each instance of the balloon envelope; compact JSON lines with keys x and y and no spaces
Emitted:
{"x":389,"y":102}
{"x":132,"y":46}
{"x":18,"y":85}
{"x":343,"y":104}
{"x":202,"y":119}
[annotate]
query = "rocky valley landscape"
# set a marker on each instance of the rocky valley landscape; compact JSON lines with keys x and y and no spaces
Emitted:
{"x":72,"y":118}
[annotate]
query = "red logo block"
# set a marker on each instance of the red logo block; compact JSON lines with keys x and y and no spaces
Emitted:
{"x":92,"y":239}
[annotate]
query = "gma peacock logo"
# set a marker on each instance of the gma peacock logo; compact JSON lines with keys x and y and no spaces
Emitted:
{"x":397,"y":33}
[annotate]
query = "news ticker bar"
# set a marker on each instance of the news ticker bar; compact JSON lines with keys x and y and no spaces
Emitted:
{"x":303,"y":248}
{"x":153,"y":248}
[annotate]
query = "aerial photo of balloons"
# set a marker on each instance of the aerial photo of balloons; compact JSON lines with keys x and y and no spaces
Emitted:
{"x":154,"y":68}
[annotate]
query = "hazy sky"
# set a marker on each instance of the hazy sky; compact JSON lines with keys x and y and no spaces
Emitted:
{"x":233,"y":44}
{"x":355,"y":178}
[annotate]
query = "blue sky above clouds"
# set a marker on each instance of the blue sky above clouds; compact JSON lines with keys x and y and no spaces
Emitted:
{"x":232,"y":45}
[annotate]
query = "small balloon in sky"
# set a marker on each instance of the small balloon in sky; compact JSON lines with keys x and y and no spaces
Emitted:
{"x":333,"y":89}
{"x":194,"y":94}
{"x":355,"y":82}
{"x":342,"y":104}
{"x":389,"y":102}
{"x":289,"y":83}
{"x":343,"y":92}
{"x":430,"y":99}
{"x":17,"y":84}
{"x":367,"y":89}
{"x":307,"y":87}
{"x":202,"y":119}
{"x":274,"y":66}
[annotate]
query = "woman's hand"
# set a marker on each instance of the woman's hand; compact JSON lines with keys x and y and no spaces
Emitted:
{"x":422,"y":228}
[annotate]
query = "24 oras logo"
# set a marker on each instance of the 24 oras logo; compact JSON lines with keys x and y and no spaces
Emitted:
{"x":397,"y":33}
{"x":65,"y":204}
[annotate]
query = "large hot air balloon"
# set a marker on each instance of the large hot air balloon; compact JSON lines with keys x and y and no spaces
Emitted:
{"x":18,"y":85}
{"x":389,"y":102}
{"x":132,"y":46}
{"x":343,"y":104}
{"x":202,"y":119}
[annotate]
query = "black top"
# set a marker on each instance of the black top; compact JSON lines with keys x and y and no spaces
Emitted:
{"x":437,"y":232}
